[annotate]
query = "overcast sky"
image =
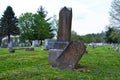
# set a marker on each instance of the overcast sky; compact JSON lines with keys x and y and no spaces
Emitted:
{"x":89,"y":16}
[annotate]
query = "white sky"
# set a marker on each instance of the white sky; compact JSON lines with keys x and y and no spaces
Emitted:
{"x":89,"y":16}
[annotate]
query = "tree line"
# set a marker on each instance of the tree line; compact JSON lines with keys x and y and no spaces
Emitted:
{"x":37,"y":26}
{"x":28,"y":26}
{"x":112,"y":34}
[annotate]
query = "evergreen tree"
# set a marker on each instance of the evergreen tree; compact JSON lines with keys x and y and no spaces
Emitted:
{"x":1,"y":33}
{"x":9,"y":23}
{"x":41,"y":11}
{"x":42,"y":29}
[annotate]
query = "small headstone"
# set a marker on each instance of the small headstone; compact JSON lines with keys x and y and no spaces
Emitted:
{"x":116,"y":49}
{"x":94,"y":46}
{"x":14,"y":44}
{"x":30,"y":49}
{"x":49,"y":44}
{"x":35,"y":43}
{"x":22,"y":44}
{"x":4,"y":45}
{"x":11,"y":50}
{"x":10,"y":45}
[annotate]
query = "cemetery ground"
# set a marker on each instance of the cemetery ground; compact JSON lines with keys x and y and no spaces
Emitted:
{"x":100,"y":63}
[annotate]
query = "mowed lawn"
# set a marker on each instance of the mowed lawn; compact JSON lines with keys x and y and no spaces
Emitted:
{"x":100,"y":63}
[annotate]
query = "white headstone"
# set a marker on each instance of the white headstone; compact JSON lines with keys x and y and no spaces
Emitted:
{"x":116,"y":49}
{"x":10,"y":45}
{"x":35,"y":43}
{"x":49,"y":44}
{"x":22,"y":44}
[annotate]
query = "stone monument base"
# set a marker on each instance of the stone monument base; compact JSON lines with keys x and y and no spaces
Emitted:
{"x":67,"y":58}
{"x":53,"y":55}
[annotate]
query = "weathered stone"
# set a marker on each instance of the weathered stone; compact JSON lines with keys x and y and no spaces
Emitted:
{"x":60,"y":44}
{"x":57,"y":51}
{"x":53,"y":55}
{"x":49,"y":44}
{"x":64,"y":29}
{"x":66,"y":53}
{"x":70,"y":56}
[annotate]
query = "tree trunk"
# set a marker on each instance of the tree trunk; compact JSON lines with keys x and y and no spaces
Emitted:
{"x":0,"y":41}
{"x":8,"y":38}
{"x":31,"y":43}
{"x":40,"y":42}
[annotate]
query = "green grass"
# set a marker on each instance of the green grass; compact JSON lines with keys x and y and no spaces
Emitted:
{"x":102,"y":64}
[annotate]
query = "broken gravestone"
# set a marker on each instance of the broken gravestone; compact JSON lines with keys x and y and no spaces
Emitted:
{"x":70,"y":56}
{"x":65,"y":20}
{"x":66,"y":53}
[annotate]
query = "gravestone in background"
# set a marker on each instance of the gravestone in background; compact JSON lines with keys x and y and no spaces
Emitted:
{"x":4,"y":45}
{"x":10,"y":45}
{"x":35,"y":43}
{"x":49,"y":44}
{"x":11,"y":50}
{"x":66,"y":53}
{"x":116,"y":49}
{"x":22,"y":44}
{"x":29,"y":49}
